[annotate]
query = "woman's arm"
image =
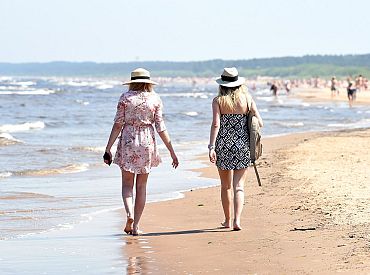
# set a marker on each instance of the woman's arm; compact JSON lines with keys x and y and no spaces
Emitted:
{"x":256,"y":113}
{"x":116,"y":129}
{"x":167,"y":141}
{"x":214,"y":130}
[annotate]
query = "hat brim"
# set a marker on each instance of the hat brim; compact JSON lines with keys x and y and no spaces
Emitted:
{"x":240,"y":81}
{"x":140,"y":81}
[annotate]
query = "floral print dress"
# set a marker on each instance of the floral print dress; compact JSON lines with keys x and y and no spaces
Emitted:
{"x":137,"y":150}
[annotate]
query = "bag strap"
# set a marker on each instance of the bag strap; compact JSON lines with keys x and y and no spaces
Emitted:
{"x":249,"y":103}
{"x":257,"y":175}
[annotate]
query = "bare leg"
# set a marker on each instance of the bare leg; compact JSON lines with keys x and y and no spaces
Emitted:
{"x":226,"y":179}
{"x":127,"y":197}
{"x":238,"y":184}
{"x":140,"y":200}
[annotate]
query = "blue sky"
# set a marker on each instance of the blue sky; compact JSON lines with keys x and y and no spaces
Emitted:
{"x":122,"y":30}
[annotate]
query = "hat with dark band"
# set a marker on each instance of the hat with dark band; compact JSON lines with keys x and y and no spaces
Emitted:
{"x":140,"y":75}
{"x":230,"y":78}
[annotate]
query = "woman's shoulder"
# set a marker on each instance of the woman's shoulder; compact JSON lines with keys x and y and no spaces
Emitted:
{"x":125,"y":95}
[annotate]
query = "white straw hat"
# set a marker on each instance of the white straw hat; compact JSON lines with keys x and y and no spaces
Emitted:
{"x":230,"y":78}
{"x":140,"y":75}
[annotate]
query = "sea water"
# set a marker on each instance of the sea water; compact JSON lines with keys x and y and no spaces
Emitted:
{"x":53,"y":132}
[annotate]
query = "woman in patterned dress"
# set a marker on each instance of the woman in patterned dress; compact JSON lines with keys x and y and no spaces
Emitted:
{"x":138,"y":110}
{"x":229,"y":141}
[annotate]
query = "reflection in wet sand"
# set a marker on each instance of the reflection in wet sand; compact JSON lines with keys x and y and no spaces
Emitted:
{"x":140,"y":256}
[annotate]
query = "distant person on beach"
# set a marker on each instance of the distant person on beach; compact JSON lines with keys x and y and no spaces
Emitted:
{"x":274,"y":89}
{"x":138,"y":110}
{"x":351,"y":92}
{"x":229,"y":141}
{"x":333,"y":86}
{"x":359,"y":83}
{"x":287,"y":86}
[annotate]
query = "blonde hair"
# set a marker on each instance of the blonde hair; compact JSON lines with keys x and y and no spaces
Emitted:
{"x":140,"y":86}
{"x":229,"y":96}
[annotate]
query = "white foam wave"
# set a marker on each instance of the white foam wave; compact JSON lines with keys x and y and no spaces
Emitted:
{"x":264,"y":110}
{"x":82,"y":102}
{"x":267,"y":99}
{"x":11,"y":88}
{"x":25,"y":83}
{"x":101,"y":85}
{"x":104,"y":86}
{"x":9,"y":137}
{"x":195,"y":95}
{"x":290,"y":124}
{"x":68,"y":169}
{"x":5,"y":78}
{"x":5,"y":174}
{"x":28,"y":92}
{"x":358,"y":124}
{"x":99,"y":149}
{"x":12,"y":128}
{"x":191,"y":113}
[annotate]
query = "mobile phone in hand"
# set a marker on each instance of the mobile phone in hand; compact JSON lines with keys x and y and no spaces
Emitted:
{"x":108,"y":158}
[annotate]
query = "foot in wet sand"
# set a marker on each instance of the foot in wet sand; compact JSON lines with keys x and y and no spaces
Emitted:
{"x":226,"y":224}
{"x":128,"y":227}
{"x":137,"y":232}
{"x":237,"y":227}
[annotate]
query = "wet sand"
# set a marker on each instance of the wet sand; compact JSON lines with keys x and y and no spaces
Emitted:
{"x":309,"y":217}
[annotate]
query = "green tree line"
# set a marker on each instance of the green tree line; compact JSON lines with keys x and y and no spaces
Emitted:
{"x":304,"y":66}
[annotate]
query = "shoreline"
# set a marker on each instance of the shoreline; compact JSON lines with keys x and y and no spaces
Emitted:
{"x":283,"y":232}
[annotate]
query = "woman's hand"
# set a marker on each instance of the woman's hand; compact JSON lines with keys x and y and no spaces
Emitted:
{"x":106,"y":160}
{"x":175,"y":161}
{"x":212,"y":156}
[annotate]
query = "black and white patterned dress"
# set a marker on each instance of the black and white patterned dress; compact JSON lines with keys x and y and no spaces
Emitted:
{"x":232,"y":142}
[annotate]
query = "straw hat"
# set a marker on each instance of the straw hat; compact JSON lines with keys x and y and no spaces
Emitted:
{"x":230,"y":78}
{"x":140,"y":75}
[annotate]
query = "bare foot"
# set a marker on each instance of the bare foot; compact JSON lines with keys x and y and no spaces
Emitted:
{"x":137,"y":232}
{"x":128,"y":227}
{"x":225,"y":224}
{"x":236,"y":227}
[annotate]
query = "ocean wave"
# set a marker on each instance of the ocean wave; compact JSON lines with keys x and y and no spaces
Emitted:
{"x":101,"y":85}
{"x":195,"y":95}
{"x":11,"y":88}
{"x":358,"y":124}
{"x":67,"y":169}
{"x":290,"y":124}
{"x":100,"y":149}
{"x":5,"y":78}
{"x":191,"y":113}
{"x":79,"y":101}
{"x":12,"y":128}
{"x":104,"y":86}
{"x":267,"y":99}
{"x":8,"y":139}
{"x":24,"y":83}
{"x":5,"y":174}
{"x":28,"y":92}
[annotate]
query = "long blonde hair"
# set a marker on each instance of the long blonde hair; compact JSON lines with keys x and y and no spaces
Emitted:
{"x":140,"y":86}
{"x":229,"y":96}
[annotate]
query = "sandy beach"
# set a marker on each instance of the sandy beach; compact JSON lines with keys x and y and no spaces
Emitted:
{"x":309,"y":217}
{"x":324,"y":95}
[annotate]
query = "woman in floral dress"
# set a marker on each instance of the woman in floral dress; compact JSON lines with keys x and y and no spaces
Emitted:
{"x":138,"y":110}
